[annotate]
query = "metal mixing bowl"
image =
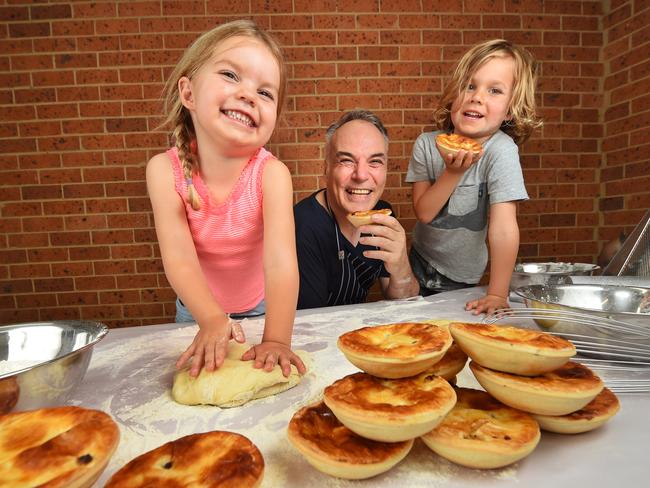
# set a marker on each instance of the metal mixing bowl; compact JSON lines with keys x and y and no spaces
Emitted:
{"x":42,"y":362}
{"x":617,"y":306}
{"x":526,"y":274}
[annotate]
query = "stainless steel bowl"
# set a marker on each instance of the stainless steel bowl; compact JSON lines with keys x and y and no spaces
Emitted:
{"x":42,"y":362}
{"x":625,"y":311}
{"x":526,"y":274}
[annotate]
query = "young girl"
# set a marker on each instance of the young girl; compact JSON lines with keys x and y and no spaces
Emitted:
{"x":222,"y":203}
{"x":490,"y":98}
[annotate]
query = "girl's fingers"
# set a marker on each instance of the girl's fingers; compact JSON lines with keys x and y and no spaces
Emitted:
{"x":237,"y":332}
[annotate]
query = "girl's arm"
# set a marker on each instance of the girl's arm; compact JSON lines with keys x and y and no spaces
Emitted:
{"x":280,"y":272}
{"x":503,"y":238}
{"x":183,"y":270}
{"x":428,"y":199}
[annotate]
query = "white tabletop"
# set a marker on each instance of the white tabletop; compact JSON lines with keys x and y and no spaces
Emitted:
{"x":131,"y":372}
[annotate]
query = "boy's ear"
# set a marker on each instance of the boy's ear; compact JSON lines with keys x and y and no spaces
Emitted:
{"x":185,"y":92}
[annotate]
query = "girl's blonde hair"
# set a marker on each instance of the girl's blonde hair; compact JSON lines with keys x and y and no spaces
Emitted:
{"x":178,"y":117}
{"x":522,"y":104}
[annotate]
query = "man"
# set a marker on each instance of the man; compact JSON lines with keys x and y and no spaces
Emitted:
{"x":339,"y":262}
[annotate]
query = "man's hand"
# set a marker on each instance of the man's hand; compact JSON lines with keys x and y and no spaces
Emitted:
{"x":268,"y":354}
{"x":388,"y":235}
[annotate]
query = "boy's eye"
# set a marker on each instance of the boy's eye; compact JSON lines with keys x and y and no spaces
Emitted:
{"x":496,"y":91}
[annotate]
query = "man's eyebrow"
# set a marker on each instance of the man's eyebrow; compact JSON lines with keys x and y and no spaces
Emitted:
{"x":350,"y":155}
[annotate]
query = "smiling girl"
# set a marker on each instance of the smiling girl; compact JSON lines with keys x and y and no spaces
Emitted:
{"x":217,"y":193}
{"x":491,"y":99}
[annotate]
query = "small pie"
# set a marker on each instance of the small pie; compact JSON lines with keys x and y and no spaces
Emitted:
{"x":453,"y":143}
{"x":395,"y":350}
{"x":562,"y":391}
{"x":216,"y":459}
{"x":450,"y":365}
{"x":55,"y":447}
{"x":334,"y":449}
{"x":590,"y":417}
{"x":390,"y":410}
{"x":365,"y":217}
{"x":9,"y":394}
{"x":481,"y":432}
{"x":512,"y":349}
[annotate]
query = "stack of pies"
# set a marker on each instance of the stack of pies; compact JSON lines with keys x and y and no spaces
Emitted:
{"x":367,"y":421}
{"x":55,"y":447}
{"x":531,"y":371}
{"x":208,"y":460}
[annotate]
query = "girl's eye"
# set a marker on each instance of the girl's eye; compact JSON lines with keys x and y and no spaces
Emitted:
{"x":471,"y":86}
{"x":229,"y":74}
{"x":267,"y":94}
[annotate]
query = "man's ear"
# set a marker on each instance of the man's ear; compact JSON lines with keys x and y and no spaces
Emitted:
{"x":185,"y":92}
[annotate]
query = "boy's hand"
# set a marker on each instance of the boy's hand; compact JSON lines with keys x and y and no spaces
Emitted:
{"x":210,"y":346}
{"x":461,"y":162}
{"x":268,"y":354}
{"x":487,"y":304}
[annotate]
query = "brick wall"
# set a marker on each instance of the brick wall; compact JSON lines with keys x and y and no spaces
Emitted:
{"x":79,"y":100}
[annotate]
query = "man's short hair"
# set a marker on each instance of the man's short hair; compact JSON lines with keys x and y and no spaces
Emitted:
{"x":359,"y":114}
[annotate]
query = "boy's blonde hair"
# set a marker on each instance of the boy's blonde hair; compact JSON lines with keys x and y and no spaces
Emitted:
{"x":522,"y":104}
{"x":178,"y":117}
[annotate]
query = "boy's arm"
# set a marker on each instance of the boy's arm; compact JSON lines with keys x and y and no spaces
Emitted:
{"x":280,"y":272}
{"x":183,"y":270}
{"x":428,"y":199}
{"x":503,"y":238}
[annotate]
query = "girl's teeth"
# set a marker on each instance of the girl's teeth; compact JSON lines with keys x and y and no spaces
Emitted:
{"x":239,"y":117}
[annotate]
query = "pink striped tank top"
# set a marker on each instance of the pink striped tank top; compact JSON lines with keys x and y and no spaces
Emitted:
{"x":229,"y":236}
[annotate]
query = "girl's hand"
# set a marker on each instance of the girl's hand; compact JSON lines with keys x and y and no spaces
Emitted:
{"x":210,"y":346}
{"x":268,"y":354}
{"x":487,"y":304}
{"x":461,"y":162}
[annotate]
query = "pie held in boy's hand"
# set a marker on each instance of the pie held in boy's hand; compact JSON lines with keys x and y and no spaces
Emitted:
{"x":453,"y":143}
{"x":365,"y":217}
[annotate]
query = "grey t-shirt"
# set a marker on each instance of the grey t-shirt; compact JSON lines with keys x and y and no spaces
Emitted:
{"x":454,"y":241}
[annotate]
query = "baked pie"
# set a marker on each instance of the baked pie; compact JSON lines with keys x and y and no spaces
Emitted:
{"x":590,"y":417}
{"x":562,"y":391}
{"x":364,"y":217}
{"x":55,"y":447}
{"x":450,"y":365}
{"x":334,"y":449}
{"x":395,"y":350}
{"x":9,"y":394}
{"x":512,"y":349}
{"x":216,"y":459}
{"x":481,"y":432}
{"x":453,"y":143}
{"x":390,"y":410}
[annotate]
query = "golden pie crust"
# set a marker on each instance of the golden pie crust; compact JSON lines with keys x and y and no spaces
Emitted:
{"x":390,"y":410}
{"x":453,"y":143}
{"x":562,"y":391}
{"x":512,"y":349}
{"x":395,"y":350}
{"x":590,"y":417}
{"x":365,"y":217}
{"x":450,"y":365}
{"x":481,"y":432}
{"x":208,"y":460}
{"x":9,"y":394}
{"x":55,"y":447}
{"x":334,"y":449}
